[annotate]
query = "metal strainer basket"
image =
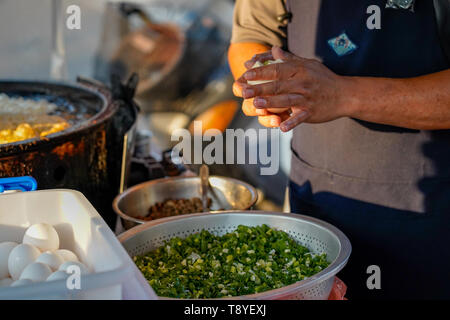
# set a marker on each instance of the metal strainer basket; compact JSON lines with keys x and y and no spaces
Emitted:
{"x":317,"y":236}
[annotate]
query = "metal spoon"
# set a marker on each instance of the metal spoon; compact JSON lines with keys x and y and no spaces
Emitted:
{"x":204,"y":185}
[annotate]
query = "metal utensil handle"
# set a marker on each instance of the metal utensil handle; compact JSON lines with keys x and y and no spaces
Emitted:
{"x":204,"y":185}
{"x":58,"y":66}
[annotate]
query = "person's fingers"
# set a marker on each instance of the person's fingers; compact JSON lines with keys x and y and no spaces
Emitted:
{"x":270,"y":121}
{"x":279,"y":101}
{"x":237,"y":89}
{"x":261,"y":57}
{"x":273,"y":72}
{"x":294,"y":120}
{"x":261,"y":112}
{"x":285,"y":115}
{"x":272,"y":88}
{"x":249,"y":109}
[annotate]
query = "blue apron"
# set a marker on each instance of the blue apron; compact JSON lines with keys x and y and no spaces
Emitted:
{"x":386,"y":188}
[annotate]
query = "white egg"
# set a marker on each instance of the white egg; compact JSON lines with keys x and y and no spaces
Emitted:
{"x":58,"y":275}
{"x":36,"y":272}
{"x":20,"y":257}
{"x":52,"y":259}
{"x":42,"y":236}
{"x":66,"y":265}
{"x":5,"y":250}
{"x":6,"y":282}
{"x":21,"y":282}
{"x":67,"y":255}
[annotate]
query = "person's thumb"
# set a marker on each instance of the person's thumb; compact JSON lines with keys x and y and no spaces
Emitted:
{"x":279,"y":53}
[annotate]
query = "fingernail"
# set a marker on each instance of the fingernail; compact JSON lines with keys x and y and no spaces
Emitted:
{"x":248,"y":93}
{"x":249,"y":75}
{"x":284,"y":127}
{"x":260,"y":102}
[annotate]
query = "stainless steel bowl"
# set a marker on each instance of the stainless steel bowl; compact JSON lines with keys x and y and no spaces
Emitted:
{"x":225,"y":193}
{"x":318,"y":236}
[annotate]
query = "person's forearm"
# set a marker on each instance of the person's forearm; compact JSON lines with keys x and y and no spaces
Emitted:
{"x":417,"y":103}
{"x":238,"y":53}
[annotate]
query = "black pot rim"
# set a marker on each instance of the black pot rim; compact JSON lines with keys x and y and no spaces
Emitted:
{"x":108,"y":108}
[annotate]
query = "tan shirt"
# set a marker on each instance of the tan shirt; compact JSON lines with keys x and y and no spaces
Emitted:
{"x":256,"y":21}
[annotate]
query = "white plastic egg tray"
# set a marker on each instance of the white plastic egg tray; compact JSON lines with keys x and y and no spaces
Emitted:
{"x":81,"y":230}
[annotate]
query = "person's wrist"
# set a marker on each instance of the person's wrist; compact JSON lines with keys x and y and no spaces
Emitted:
{"x":348,"y":91}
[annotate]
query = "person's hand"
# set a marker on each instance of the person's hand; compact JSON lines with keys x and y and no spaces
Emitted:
{"x":265,"y":117}
{"x":313,"y":92}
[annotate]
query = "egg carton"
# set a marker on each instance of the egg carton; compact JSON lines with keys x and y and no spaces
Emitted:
{"x":81,"y":230}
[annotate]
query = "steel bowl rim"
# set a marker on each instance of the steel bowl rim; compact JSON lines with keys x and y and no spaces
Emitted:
{"x":335,"y":266}
{"x":142,"y":185}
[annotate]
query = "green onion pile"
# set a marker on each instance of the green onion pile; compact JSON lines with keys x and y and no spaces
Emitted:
{"x":246,"y":261}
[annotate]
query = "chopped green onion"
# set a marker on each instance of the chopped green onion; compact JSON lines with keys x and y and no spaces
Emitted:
{"x":246,"y":261}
